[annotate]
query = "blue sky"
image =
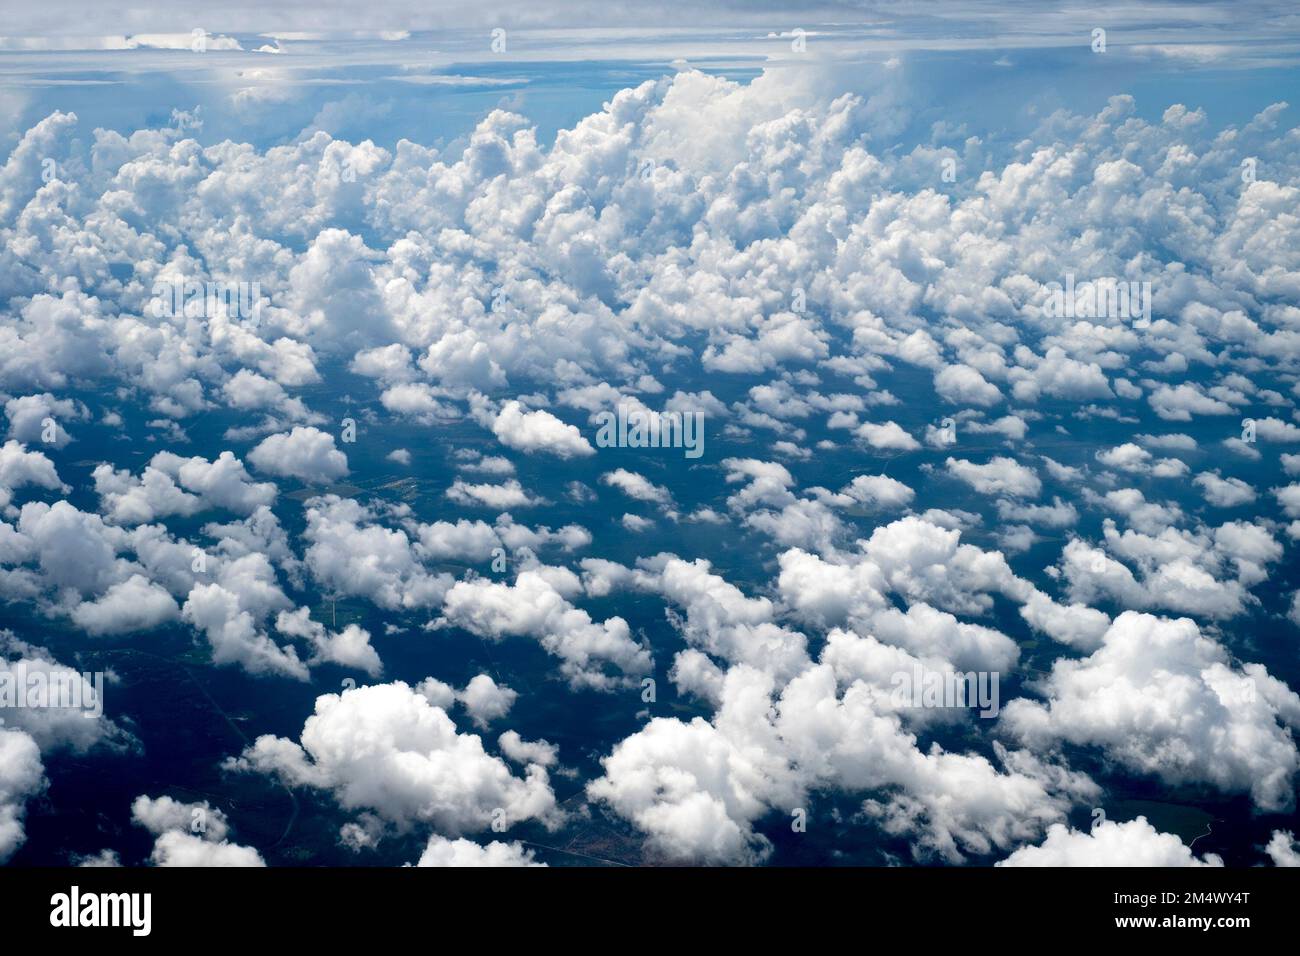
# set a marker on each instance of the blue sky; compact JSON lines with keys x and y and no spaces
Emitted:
{"x":428,"y":71}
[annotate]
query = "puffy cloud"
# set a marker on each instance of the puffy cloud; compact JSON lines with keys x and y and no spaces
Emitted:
{"x":73,"y":549}
{"x":698,"y":788}
{"x":1179,"y":403}
{"x":125,"y":499}
{"x":57,"y":337}
{"x":19,"y":467}
{"x":999,"y":476}
{"x":351,"y":553}
{"x":246,"y":390}
{"x":637,"y":486}
{"x":485,"y":700}
{"x":555,"y":261}
{"x":1275,"y":430}
{"x":190,"y":834}
{"x":768,"y":482}
{"x":1059,"y":375}
{"x":232,"y":632}
{"x":963,"y":385}
{"x":1126,"y":457}
{"x":386,"y":749}
{"x":305,"y":453}
{"x":475,"y":462}
{"x":538,"y":431}
{"x":1289,"y":498}
{"x":175,"y":848}
{"x":773,"y":508}
{"x":1059,"y":514}
{"x":1075,"y":624}
{"x":349,"y":647}
{"x":509,"y":494}
{"x":879,"y":491}
{"x":76,"y":719}
{"x":441,"y":851}
{"x":912,"y":557}
{"x":22,"y":776}
{"x":536,"y":606}
{"x":416,"y":400}
{"x":136,"y":604}
{"x":1160,"y":698}
{"x":1135,"y":843}
{"x":720,"y":618}
{"x":1224,"y":492}
{"x":688,"y":787}
{"x":527,"y":751}
{"x":1183,"y":571}
{"x":889,"y":437}
{"x":158,"y":815}
{"x":474,"y":541}
{"x":34,"y":418}
{"x":1283,"y":849}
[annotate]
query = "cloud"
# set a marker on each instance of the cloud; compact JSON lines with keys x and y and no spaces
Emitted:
{"x":136,"y":604}
{"x":536,"y":606}
{"x":509,"y":494}
{"x":418,"y":401}
{"x":538,"y":431}
{"x":441,"y":851}
{"x":164,"y":813}
{"x":1179,"y":403}
{"x":386,"y":749}
{"x":75,"y":697}
{"x":1161,"y":699}
{"x":879,"y":491}
{"x":175,"y":848}
{"x":22,"y":776}
{"x":1224,"y":492}
{"x":693,"y":225}
{"x":34,"y":418}
{"x":999,"y":476}
{"x":637,"y":486}
{"x":305,"y":453}
{"x":890,"y":437}
{"x":963,"y":385}
{"x":348,"y":648}
{"x":720,"y":618}
{"x":190,"y":834}
{"x":698,"y":788}
{"x":232,"y":632}
{"x":1283,"y":849}
{"x":351,"y":553}
{"x":1135,"y":843}
{"x":20,"y":467}
{"x":171,"y":485}
{"x":485,"y":700}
